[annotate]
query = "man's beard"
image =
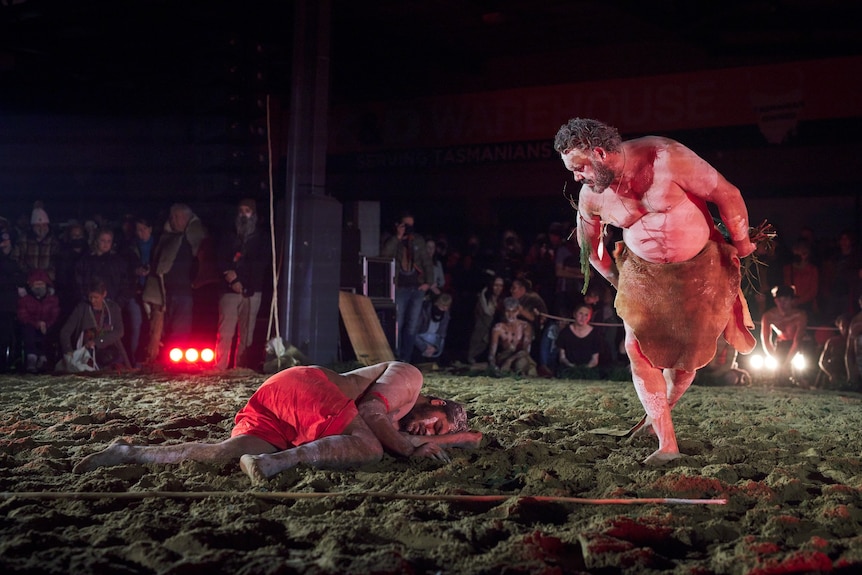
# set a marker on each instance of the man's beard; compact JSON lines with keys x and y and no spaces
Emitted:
{"x":603,"y":178}
{"x":245,"y":225}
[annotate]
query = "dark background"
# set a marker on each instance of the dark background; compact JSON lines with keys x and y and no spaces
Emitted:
{"x":126,"y":106}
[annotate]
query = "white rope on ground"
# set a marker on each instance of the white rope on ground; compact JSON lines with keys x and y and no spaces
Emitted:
{"x":292,"y":495}
{"x":273,"y":307}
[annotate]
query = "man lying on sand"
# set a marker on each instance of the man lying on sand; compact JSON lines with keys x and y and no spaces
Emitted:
{"x":315,"y":416}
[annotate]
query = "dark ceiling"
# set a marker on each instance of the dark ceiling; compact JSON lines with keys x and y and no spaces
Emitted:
{"x":176,"y":56}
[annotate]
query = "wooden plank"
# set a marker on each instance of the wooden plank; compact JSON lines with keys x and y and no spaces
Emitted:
{"x":363,"y":328}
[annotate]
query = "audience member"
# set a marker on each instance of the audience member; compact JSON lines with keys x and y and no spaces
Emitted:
{"x":38,"y":248}
{"x":579,"y":343}
{"x":139,"y":253}
{"x":532,"y":308}
{"x":511,"y":340}
{"x":842,"y":274}
{"x":433,"y":325}
{"x":569,"y":277}
{"x":11,"y":278}
{"x":723,"y":368}
{"x":183,"y":260}
{"x":438,"y":281}
{"x":413,"y":277}
{"x":853,"y":356}
{"x":833,"y":369}
{"x":242,"y":261}
{"x":487,"y":307}
{"x":38,"y":311}
{"x":510,"y":256}
{"x":96,"y":325}
{"x":804,"y":277}
{"x":539,"y":267}
{"x":782,"y":329}
{"x":105,"y":264}
{"x":73,"y":247}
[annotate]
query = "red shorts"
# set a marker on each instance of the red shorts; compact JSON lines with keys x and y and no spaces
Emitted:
{"x":295,"y":406}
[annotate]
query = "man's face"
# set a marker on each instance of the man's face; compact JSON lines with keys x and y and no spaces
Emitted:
{"x":588,"y":169}
{"x":179,"y":221}
{"x":517,"y":291}
{"x":41,"y":230}
{"x":104,"y":243}
{"x":143,"y":231}
{"x":96,"y":299}
{"x":426,"y":419}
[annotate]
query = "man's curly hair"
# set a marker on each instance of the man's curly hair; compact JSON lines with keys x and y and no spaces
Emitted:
{"x":586,"y":134}
{"x":456,"y":414}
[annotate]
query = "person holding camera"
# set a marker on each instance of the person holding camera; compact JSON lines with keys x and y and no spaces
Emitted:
{"x":413,"y":277}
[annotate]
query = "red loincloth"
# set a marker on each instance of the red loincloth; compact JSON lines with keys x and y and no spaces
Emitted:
{"x":295,"y":406}
{"x":677,"y":311}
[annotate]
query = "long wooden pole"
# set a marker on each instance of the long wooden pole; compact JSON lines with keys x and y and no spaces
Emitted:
{"x":290,"y":495}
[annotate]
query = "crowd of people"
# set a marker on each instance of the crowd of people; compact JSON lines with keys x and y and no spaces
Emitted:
{"x":97,"y":294}
{"x":100,"y":295}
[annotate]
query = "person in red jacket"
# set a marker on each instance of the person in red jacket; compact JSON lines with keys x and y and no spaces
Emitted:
{"x":38,"y":311}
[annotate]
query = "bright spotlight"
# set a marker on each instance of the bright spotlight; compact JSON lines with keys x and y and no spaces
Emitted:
{"x":191,"y":355}
{"x":756,"y":362}
{"x":770,"y":363}
{"x":176,"y":354}
{"x":798,"y":362}
{"x":207,"y":355}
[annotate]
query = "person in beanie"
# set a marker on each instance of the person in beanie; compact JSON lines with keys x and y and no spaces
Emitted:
{"x":242,"y":260}
{"x":38,"y":311}
{"x":11,"y":278}
{"x":38,"y":248}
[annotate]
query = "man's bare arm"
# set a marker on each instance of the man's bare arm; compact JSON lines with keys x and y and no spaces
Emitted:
{"x":589,"y":231}
{"x":463,"y":439}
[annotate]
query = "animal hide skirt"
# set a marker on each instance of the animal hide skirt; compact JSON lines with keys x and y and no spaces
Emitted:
{"x":678,"y":310}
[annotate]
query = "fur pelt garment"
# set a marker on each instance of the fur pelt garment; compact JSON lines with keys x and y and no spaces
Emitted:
{"x":678,"y":310}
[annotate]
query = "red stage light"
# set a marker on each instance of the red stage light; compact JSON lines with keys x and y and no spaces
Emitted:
{"x":176,"y":354}
{"x":207,"y":355}
{"x":191,"y":355}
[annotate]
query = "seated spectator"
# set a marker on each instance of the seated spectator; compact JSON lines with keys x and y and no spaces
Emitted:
{"x":37,"y":313}
{"x":723,"y":368}
{"x":489,"y":301}
{"x":97,"y":325}
{"x":11,"y":278}
{"x":833,"y":370}
{"x":579,"y":343}
{"x":782,"y":329}
{"x":511,"y":340}
{"x":433,"y":325}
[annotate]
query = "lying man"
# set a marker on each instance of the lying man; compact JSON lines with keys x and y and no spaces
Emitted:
{"x":315,"y":416}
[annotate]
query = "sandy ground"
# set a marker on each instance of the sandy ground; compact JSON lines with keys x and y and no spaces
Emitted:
{"x":786,"y":460}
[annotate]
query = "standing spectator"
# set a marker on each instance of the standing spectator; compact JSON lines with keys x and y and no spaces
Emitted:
{"x":570,"y":278}
{"x":413,"y":277}
{"x":140,"y":254}
{"x":181,"y":262}
{"x":433,"y":325}
{"x":579,"y":343}
{"x":488,"y":304}
{"x":853,"y":356}
{"x":11,"y":278}
{"x":539,"y":267}
{"x":510,"y":256}
{"x":842,"y":273}
{"x":107,"y":265}
{"x":438,"y":282}
{"x":804,"y":277}
{"x":38,"y":311}
{"x":242,"y":260}
{"x":38,"y":248}
{"x":96,"y":324}
{"x":73,"y":247}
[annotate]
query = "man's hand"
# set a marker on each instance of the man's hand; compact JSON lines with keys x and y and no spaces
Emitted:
{"x":431,"y":451}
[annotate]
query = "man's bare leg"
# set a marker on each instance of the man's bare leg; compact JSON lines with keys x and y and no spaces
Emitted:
{"x":120,"y":452}
{"x":357,"y":446}
{"x":652,"y":389}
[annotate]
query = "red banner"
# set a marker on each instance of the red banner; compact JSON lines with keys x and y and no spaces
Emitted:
{"x":773,"y":97}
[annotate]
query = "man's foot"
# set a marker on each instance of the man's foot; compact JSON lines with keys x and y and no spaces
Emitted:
{"x":661,"y":457}
{"x":116,"y":453}
{"x":254,"y":466}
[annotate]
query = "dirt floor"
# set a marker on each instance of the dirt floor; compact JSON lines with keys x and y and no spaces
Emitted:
{"x":787,"y":461}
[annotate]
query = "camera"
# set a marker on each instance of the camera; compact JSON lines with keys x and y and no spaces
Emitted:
{"x":408,"y":229}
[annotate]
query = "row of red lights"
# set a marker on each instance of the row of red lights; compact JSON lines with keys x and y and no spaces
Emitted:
{"x":191,"y":355}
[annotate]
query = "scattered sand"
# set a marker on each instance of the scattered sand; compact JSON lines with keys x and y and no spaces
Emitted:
{"x":786,"y":460}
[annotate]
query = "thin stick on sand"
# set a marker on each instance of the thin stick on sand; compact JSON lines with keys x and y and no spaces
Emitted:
{"x":289,"y":495}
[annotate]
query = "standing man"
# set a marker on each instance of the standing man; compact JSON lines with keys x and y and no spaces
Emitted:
{"x":414,"y":272}
{"x":677,"y":279}
{"x":242,"y":262}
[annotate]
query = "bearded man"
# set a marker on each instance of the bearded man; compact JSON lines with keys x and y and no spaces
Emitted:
{"x":677,"y":278}
{"x":242,"y":261}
